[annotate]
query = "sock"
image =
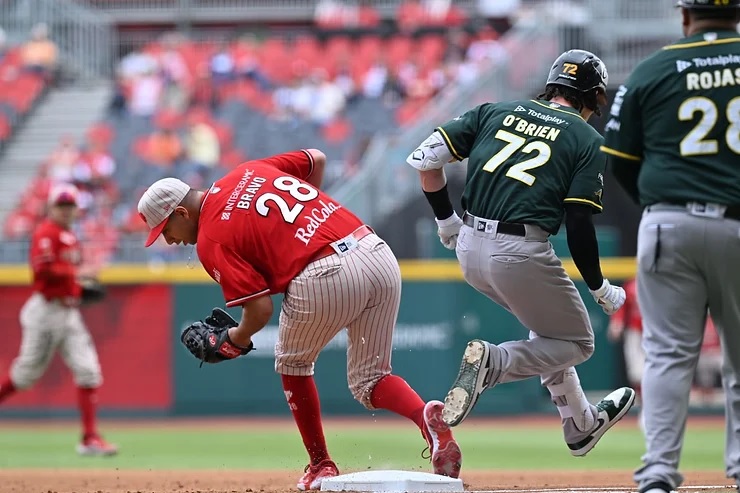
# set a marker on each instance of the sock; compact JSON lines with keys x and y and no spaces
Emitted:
{"x":87,"y":401}
{"x":568,"y":396}
{"x":303,"y":400}
{"x":394,"y":394}
{"x":6,"y":388}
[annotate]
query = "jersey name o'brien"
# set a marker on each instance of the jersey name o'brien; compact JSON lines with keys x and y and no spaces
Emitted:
{"x":532,"y":129}
{"x":712,"y":79}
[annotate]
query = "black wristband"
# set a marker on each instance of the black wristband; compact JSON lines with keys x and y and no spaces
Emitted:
{"x":440,"y":202}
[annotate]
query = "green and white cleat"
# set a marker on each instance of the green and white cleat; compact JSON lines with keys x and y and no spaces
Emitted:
{"x":474,"y":377}
{"x":612,"y":408}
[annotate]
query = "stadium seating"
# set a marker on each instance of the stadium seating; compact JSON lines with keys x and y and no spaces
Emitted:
{"x":19,"y":91}
{"x":247,"y":112}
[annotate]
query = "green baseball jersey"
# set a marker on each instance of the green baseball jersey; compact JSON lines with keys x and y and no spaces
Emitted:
{"x":525,"y":160}
{"x":678,"y":117}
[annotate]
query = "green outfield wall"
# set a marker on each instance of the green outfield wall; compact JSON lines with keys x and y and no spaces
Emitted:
{"x":147,"y":371}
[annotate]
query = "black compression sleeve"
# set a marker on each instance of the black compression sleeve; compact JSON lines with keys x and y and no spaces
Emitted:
{"x":626,"y":173}
{"x":440,"y":202}
{"x":582,"y":243}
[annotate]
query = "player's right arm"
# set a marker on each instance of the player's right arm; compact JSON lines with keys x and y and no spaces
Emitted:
{"x":623,"y":137}
{"x":306,"y":164}
{"x":449,"y":142}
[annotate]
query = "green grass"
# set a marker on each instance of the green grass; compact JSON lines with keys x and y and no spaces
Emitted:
{"x":371,"y":446}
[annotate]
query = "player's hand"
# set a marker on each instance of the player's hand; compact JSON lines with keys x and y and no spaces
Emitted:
{"x":611,"y":298}
{"x":209,"y":341}
{"x":448,"y":230}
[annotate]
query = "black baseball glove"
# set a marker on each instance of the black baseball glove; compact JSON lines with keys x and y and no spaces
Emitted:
{"x":92,"y":291}
{"x":209,"y":341}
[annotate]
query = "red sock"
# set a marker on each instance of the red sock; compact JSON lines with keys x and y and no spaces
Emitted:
{"x":394,"y":394}
{"x":303,"y":400}
{"x":87,"y":402}
{"x":6,"y":389}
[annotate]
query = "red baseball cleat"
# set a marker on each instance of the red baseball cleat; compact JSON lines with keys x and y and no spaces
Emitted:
{"x":314,"y":475}
{"x":446,"y":455}
{"x":94,"y":445}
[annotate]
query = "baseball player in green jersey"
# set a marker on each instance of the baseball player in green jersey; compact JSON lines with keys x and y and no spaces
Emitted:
{"x":530,"y":164}
{"x":673,"y":143}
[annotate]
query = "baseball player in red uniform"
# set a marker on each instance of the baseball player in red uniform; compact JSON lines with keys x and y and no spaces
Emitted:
{"x":51,"y":320}
{"x":626,"y":324}
{"x":266,"y":228}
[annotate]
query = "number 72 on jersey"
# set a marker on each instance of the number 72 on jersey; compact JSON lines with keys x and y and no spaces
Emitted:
{"x":540,"y":151}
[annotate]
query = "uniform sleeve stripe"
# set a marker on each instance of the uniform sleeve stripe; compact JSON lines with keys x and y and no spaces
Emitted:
{"x":240,"y":301}
{"x":310,"y":161}
{"x":585,"y":201}
{"x":702,"y":43}
{"x":449,"y":144}
{"x":617,"y":153}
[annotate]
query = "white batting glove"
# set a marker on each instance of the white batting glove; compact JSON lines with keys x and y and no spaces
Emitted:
{"x":611,"y":298}
{"x":448,"y":229}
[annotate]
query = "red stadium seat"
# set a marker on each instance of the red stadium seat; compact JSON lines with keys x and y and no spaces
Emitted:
{"x":232,"y":158}
{"x":19,"y":224}
{"x":337,"y":131}
{"x":5,"y":127}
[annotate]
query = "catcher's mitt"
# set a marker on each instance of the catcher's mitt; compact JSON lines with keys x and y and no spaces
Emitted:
{"x":209,"y":340}
{"x":92,"y":291}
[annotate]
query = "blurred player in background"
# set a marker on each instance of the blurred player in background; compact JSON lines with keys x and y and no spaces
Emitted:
{"x":266,"y":228}
{"x":626,"y":326}
{"x":532,"y":163}
{"x":673,"y":142}
{"x":51,"y":319}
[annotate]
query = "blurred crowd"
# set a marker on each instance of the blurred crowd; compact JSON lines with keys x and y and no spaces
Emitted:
{"x":38,"y":54}
{"x":180,"y":105}
{"x":303,"y":78}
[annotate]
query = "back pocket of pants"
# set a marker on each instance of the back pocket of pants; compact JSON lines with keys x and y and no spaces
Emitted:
{"x":509,"y":258}
{"x":656,"y":247}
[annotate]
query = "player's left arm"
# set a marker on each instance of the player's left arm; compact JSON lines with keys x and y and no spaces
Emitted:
{"x":623,"y":143}
{"x":582,"y":201}
{"x":306,"y":164}
{"x":242,"y":285}
{"x":256,"y":314}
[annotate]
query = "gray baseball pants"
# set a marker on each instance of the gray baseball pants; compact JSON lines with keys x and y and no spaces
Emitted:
{"x":686,"y":264}
{"x":524,"y":276}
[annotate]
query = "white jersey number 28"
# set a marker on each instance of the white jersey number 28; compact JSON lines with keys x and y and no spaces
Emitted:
{"x":299,"y":191}
{"x":695,"y":143}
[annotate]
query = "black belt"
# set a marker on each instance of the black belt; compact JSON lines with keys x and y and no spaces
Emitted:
{"x":731,"y":211}
{"x":514,"y":229}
